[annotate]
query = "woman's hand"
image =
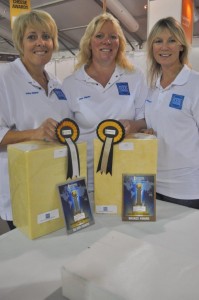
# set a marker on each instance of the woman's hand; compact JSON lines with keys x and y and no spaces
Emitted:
{"x":46,"y":131}
{"x":127,"y":126}
{"x":148,"y":131}
{"x":133,"y":126}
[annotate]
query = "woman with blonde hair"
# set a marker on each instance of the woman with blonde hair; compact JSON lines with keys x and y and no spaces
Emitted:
{"x":84,"y":56}
{"x":105,"y":84}
{"x":31,"y":99}
{"x":172,"y":112}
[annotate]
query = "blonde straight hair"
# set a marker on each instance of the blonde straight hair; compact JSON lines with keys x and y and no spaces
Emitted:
{"x":84,"y":56}
{"x":36,"y":19}
{"x":175,"y":28}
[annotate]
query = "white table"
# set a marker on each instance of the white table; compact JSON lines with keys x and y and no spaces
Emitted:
{"x":31,"y":269}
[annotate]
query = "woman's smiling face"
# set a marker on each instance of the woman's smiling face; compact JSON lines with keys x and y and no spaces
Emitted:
{"x":37,"y":47}
{"x":105,"y":44}
{"x":166,"y":49}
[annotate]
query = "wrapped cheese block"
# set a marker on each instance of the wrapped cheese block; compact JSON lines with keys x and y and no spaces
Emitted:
{"x":135,"y":155}
{"x":35,"y":170}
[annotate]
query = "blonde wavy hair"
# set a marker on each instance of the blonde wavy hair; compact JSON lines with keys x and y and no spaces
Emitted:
{"x":84,"y":56}
{"x":36,"y":19}
{"x":175,"y":28}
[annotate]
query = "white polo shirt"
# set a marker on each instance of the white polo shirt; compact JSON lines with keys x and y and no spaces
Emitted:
{"x":24,"y":104}
{"x":122,"y":98}
{"x":173,"y":113}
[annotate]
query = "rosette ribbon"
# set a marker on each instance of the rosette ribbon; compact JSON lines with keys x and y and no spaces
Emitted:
{"x":110,"y":132}
{"x":67,"y":132}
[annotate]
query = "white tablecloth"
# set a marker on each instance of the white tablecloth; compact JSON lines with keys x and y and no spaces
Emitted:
{"x":31,"y":269}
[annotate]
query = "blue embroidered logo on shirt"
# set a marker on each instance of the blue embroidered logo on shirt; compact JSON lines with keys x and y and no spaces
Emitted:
{"x":148,"y":101}
{"x":60,"y":94}
{"x":176,"y":101}
{"x":123,"y":88}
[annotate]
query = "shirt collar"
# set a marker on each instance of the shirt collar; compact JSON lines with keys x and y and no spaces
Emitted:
{"x":83,"y":76}
{"x":52,"y":81}
{"x":180,"y":79}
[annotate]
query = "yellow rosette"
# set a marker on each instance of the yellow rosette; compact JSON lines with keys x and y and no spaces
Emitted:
{"x":110,"y":132}
{"x":67,"y":132}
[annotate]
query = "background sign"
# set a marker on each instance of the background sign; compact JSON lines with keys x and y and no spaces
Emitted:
{"x":17,"y":7}
{"x":187,"y":18}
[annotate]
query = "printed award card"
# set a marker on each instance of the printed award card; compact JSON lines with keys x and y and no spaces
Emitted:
{"x":139,"y":201}
{"x":76,"y":205}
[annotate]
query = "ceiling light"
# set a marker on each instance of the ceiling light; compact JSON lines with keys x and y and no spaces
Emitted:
{"x":122,"y":14}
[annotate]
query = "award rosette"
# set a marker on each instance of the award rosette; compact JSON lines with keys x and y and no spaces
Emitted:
{"x":67,"y":132}
{"x":110,"y":132}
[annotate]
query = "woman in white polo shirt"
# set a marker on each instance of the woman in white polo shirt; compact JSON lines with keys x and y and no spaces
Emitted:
{"x":105,"y":85}
{"x":31,"y":100}
{"x":172,"y":111}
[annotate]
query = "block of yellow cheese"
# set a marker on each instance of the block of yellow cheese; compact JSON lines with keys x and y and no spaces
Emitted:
{"x":35,"y":170}
{"x":134,"y":155}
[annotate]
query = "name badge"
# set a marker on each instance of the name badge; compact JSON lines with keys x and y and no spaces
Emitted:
{"x":176,"y":101}
{"x":60,"y":94}
{"x":123,"y":88}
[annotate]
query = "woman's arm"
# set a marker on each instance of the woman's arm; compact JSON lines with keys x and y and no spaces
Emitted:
{"x":46,"y":131}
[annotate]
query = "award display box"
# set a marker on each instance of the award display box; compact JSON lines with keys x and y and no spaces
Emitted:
{"x":136,"y":154}
{"x":35,"y":169}
{"x":76,"y":205}
{"x":139,"y":197}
